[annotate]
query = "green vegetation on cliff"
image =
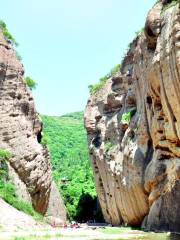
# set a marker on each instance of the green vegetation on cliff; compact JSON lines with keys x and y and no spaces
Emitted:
{"x":96,"y":87}
{"x":66,"y":140}
{"x":30,"y":83}
{"x":7,"y":34}
{"x":4,"y":157}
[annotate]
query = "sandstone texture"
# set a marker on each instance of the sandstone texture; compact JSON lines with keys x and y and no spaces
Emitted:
{"x":20,"y":133}
{"x":56,"y":206}
{"x":133,"y":127}
{"x":13,"y":220}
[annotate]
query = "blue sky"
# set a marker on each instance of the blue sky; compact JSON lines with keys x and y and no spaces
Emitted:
{"x":67,"y":45}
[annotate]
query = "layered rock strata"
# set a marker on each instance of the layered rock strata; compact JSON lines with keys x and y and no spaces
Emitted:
{"x":133,"y":127}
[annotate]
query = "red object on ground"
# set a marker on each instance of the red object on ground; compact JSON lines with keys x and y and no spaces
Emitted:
{"x":64,"y":225}
{"x":75,"y":225}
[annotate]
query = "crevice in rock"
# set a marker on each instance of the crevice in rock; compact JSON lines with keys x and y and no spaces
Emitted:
{"x":25,"y":108}
{"x":97,"y":141}
{"x":149,"y":100}
{"x":151,"y":39}
{"x":39,"y":137}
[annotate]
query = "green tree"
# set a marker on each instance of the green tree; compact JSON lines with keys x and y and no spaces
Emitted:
{"x":66,"y":139}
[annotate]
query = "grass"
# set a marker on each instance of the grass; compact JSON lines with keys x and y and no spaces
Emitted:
{"x":108,"y":233}
{"x":35,"y":237}
{"x":115,"y":230}
{"x":129,"y":230}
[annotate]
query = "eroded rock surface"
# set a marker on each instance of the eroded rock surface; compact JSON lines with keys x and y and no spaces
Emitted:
{"x":133,"y":127}
{"x":20,"y":133}
{"x":12,"y":220}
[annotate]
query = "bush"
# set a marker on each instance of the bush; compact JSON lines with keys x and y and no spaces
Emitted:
{"x":96,"y":87}
{"x":126,"y":117}
{"x":30,"y":83}
{"x":108,"y":146}
{"x":5,"y":155}
{"x":7,"y":34}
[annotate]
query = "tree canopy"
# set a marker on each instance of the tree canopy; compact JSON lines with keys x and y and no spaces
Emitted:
{"x":66,"y":139}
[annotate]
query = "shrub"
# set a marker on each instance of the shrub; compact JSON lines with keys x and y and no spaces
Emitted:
{"x":108,"y":146}
{"x":7,"y":34}
{"x":126,"y":117}
{"x":30,"y":83}
{"x":5,"y":154}
{"x":96,"y":87}
{"x":115,"y":69}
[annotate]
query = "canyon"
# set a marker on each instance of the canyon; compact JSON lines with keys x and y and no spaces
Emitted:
{"x":132,"y":121}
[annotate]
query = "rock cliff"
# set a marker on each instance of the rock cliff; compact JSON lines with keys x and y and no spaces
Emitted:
{"x":20,"y":134}
{"x":133,"y":127}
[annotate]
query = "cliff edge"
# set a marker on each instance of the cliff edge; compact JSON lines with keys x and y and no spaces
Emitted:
{"x":20,"y":134}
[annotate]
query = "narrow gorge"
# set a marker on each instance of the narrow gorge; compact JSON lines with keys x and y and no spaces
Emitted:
{"x":132,"y":121}
{"x":133,"y":127}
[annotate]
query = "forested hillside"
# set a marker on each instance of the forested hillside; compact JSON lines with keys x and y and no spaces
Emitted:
{"x":66,"y":140}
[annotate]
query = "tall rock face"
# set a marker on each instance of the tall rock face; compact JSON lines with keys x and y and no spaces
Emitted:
{"x":20,"y":133}
{"x":133,"y":127}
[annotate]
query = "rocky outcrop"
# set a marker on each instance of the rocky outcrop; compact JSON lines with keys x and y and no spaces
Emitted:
{"x":56,"y":206}
{"x":20,"y":133}
{"x":133,"y":127}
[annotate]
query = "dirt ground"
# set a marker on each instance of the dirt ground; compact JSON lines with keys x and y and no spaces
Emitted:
{"x":108,"y":233}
